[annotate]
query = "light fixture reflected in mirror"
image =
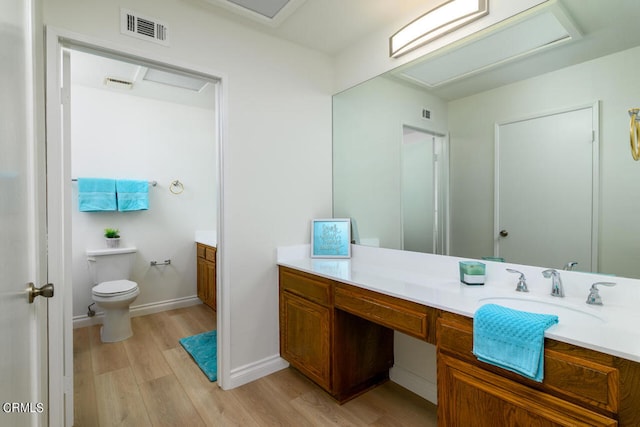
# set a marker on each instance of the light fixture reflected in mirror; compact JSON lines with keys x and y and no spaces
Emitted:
{"x":448,"y":16}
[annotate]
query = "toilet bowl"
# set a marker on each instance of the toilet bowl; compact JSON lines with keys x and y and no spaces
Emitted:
{"x":113,"y":291}
{"x":115,"y":297}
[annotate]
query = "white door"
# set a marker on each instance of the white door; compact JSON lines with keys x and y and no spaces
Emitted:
{"x":23,"y":353}
{"x":546,"y":184}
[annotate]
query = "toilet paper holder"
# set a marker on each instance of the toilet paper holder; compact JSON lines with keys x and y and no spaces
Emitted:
{"x":156,"y":263}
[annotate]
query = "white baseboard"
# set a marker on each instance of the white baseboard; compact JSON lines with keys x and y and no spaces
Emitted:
{"x":140,"y":310}
{"x":253,"y":371}
{"x":414,"y":383}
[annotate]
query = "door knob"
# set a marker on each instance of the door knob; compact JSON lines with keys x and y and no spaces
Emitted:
{"x":504,"y":233}
{"x":45,"y":291}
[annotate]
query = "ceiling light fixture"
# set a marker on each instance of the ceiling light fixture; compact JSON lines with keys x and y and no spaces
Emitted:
{"x":448,"y":16}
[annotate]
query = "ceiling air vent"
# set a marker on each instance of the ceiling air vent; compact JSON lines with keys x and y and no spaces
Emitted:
{"x":117,"y":83}
{"x":142,"y":27}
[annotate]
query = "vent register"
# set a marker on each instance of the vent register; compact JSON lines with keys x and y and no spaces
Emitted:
{"x":143,"y":27}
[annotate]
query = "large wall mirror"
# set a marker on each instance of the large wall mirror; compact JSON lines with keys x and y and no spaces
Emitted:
{"x":383,"y":178}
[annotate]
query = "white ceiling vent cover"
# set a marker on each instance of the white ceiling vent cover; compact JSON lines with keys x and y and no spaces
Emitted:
{"x":114,"y":82}
{"x":142,"y":27}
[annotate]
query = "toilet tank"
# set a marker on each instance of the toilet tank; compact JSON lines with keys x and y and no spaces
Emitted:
{"x":111,"y":264}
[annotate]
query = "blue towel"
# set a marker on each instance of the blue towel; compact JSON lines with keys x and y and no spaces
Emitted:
{"x":96,"y":194}
{"x":133,"y":195}
{"x":511,"y":339}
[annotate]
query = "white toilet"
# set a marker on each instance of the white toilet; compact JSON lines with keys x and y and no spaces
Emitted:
{"x":110,"y":269}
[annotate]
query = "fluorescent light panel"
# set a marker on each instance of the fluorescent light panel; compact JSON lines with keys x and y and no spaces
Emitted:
{"x":445,"y":18}
{"x":526,"y":36}
{"x":175,"y":80}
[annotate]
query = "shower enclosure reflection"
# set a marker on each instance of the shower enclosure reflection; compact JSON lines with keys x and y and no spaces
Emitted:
{"x":422,"y":193}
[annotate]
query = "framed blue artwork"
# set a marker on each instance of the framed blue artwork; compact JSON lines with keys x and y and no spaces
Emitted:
{"x":331,"y":238}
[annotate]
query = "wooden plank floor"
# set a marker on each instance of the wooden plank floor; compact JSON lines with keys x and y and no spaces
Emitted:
{"x":150,"y":380}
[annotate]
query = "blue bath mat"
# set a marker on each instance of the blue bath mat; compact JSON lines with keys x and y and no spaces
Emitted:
{"x":203,"y":348}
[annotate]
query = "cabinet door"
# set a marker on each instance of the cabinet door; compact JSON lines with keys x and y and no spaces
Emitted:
{"x":202,"y":280}
{"x":305,"y":337}
{"x":210,"y":284}
{"x":471,"y":396}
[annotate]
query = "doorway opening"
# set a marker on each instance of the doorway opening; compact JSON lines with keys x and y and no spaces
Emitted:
{"x":100,"y":137}
{"x":132,"y":121}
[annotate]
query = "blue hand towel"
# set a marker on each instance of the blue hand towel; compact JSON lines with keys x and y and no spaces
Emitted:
{"x":96,"y":194}
{"x":133,"y":195}
{"x":511,"y":339}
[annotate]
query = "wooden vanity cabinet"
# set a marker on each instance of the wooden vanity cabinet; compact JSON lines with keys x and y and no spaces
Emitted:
{"x":306,"y":325}
{"x":342,"y":353}
{"x":580,"y":388}
{"x":206,"y":274}
{"x":341,"y":337}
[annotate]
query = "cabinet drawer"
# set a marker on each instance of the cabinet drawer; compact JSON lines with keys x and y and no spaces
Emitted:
{"x":313,"y":288}
{"x":576,"y":374}
{"x":206,"y":252}
{"x":395,"y":313}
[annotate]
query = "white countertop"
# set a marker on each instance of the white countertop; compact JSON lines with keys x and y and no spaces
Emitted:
{"x":207,"y":237}
{"x":433,"y":280}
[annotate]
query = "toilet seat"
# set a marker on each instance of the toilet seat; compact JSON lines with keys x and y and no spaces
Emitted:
{"x":114,"y":288}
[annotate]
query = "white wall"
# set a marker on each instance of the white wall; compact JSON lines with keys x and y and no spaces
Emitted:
{"x":368,"y":132}
{"x":612,"y":80}
{"x":118,"y":135}
{"x":277,"y":156}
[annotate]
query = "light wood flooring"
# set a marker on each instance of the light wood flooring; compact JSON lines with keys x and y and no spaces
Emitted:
{"x":150,"y":380}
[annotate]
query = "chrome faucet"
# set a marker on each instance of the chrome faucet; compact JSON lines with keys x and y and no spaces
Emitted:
{"x":569,"y":266}
{"x":594,"y":296}
{"x":557,"y":290}
{"x":522,"y":281}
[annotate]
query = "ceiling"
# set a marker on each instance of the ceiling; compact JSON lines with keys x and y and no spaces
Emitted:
{"x":605,"y":26}
{"x":92,"y":70}
{"x":325,"y":25}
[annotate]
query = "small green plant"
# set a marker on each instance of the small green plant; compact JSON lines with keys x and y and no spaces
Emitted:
{"x":111,"y":233}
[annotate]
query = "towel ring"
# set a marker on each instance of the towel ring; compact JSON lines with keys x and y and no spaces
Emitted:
{"x":176,"y":187}
{"x":634,"y":133}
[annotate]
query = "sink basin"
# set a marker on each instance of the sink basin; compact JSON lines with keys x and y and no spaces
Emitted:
{"x":565,"y":313}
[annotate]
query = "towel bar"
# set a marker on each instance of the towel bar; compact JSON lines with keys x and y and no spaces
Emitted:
{"x":151,"y":183}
